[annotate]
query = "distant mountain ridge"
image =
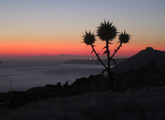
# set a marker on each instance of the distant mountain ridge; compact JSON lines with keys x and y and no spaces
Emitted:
{"x":142,"y":58}
{"x":91,"y":61}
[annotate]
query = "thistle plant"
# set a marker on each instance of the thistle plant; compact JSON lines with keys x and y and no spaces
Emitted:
{"x":123,"y":39}
{"x":106,"y":32}
{"x":89,"y":39}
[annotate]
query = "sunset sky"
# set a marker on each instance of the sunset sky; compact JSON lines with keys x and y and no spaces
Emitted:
{"x":53,"y":27}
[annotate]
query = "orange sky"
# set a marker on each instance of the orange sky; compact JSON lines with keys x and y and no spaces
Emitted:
{"x":55,"y":27}
{"x":62,"y":45}
{"x":46,"y":47}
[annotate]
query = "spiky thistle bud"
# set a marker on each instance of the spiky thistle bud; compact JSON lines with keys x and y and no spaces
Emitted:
{"x":106,"y":31}
{"x":89,"y":38}
{"x":124,"y":37}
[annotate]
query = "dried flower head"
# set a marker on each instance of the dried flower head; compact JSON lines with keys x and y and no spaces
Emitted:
{"x":89,"y":38}
{"x":107,"y":31}
{"x":124,"y":37}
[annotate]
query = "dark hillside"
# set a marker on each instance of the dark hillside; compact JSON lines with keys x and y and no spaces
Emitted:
{"x":142,"y":58}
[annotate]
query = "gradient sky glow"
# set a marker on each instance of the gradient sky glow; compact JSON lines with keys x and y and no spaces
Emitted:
{"x":52,"y":27}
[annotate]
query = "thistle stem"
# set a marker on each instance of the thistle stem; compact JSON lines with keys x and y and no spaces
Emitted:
{"x":109,"y":64}
{"x":116,"y":50}
{"x":97,"y":55}
{"x":108,"y":56}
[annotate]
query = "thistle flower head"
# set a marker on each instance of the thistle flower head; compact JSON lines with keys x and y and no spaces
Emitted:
{"x":89,"y":38}
{"x":107,"y":31}
{"x":124,"y":37}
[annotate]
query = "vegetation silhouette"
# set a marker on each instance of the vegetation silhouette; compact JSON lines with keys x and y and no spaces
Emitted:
{"x":106,"y":32}
{"x":147,"y":76}
{"x":151,"y":74}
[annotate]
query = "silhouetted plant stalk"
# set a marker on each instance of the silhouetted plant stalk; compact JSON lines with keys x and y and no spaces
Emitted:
{"x":106,"y":32}
{"x":123,"y":38}
{"x":115,"y":51}
{"x":108,"y":56}
{"x":99,"y":59}
{"x":89,"y":39}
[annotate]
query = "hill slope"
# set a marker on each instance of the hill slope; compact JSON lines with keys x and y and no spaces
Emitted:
{"x":145,"y":104}
{"x":142,"y":58}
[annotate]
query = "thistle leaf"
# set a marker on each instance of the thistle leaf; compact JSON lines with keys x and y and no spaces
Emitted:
{"x":115,"y":50}
{"x":109,"y":42}
{"x":105,"y":52}
{"x":105,"y":47}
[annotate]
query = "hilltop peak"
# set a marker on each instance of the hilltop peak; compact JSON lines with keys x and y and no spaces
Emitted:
{"x":143,"y":58}
{"x":149,"y":48}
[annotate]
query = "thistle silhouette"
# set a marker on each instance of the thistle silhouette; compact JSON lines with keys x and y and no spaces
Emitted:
{"x":89,"y":39}
{"x":106,"y":32}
